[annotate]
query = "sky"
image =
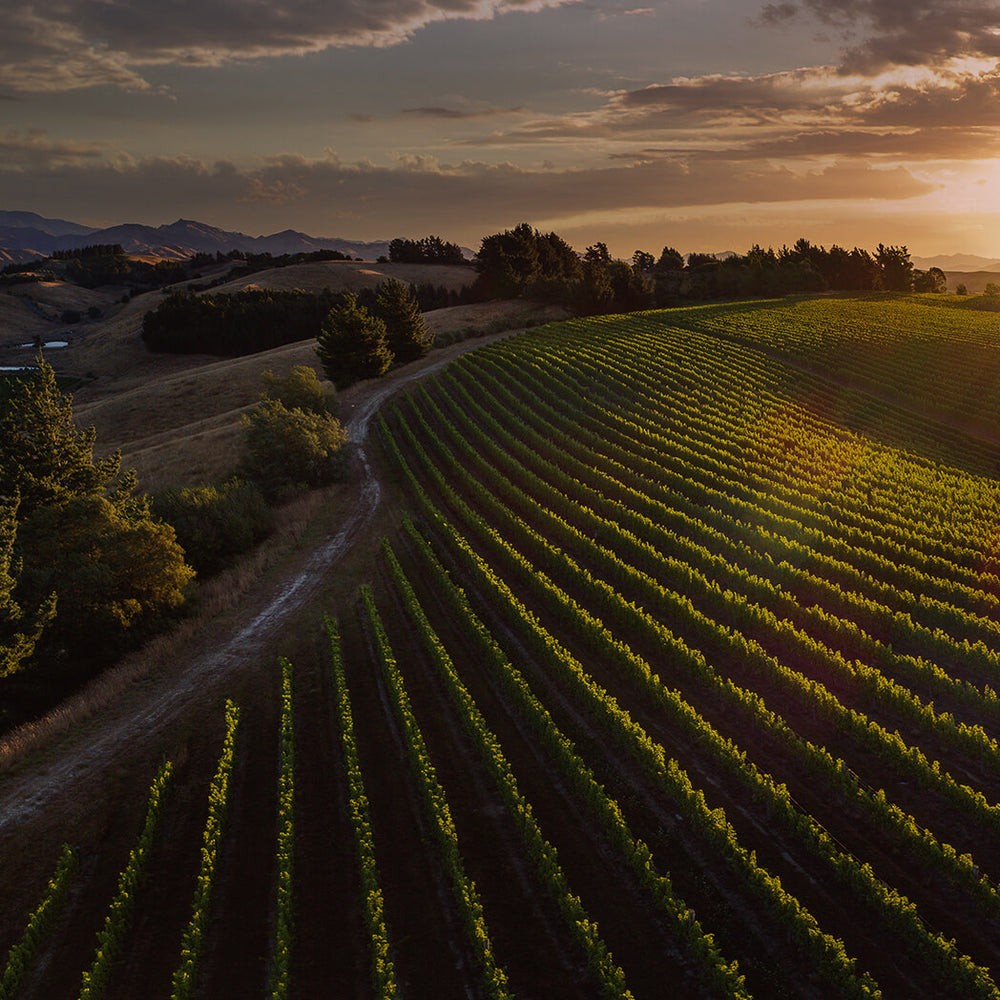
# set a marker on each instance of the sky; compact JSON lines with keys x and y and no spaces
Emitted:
{"x":705,"y":125}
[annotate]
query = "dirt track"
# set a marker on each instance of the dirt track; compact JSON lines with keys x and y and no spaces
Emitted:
{"x":67,"y":779}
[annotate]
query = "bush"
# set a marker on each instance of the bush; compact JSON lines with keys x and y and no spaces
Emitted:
{"x":115,"y":571}
{"x":290,"y":450}
{"x":214,"y":524}
{"x":300,"y":389}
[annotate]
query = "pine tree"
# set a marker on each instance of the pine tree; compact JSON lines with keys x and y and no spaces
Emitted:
{"x":352,"y":344}
{"x":397,"y":307}
{"x":44,"y":457}
{"x":82,"y":532}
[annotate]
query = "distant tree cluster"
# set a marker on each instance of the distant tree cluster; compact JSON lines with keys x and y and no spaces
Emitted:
{"x":522,"y":261}
{"x":250,"y":263}
{"x":429,"y":250}
{"x":96,"y":250}
{"x":92,"y":272}
{"x":106,"y":264}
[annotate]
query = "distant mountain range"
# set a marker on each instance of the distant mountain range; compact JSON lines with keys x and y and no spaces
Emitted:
{"x":25,"y":236}
{"x":957,"y":262}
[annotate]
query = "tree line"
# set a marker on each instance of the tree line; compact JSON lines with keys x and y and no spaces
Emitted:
{"x":525,"y":262}
{"x":257,"y":319}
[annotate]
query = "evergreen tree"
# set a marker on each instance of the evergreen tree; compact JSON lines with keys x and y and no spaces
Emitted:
{"x":396,"y":306}
{"x":82,"y":533}
{"x":352,"y":344}
{"x":895,"y":267}
{"x":44,"y":457}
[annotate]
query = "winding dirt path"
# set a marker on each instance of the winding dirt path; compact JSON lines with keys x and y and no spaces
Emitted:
{"x":65,"y":778}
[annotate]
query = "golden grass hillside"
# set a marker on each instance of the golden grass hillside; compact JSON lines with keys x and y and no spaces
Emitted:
{"x":111,"y":348}
{"x":350,"y":275}
{"x":183,"y":426}
{"x":176,"y":418}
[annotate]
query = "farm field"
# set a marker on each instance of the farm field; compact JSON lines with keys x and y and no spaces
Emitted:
{"x":675,"y":674}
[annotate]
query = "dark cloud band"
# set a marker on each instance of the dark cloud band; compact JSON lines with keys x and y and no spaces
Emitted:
{"x":82,"y":43}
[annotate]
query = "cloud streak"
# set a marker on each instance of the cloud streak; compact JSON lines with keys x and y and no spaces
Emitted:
{"x":800,"y":113}
{"x":900,"y":32}
{"x":460,"y":114}
{"x":34,"y":150}
{"x":86,"y":43}
{"x":427,"y":194}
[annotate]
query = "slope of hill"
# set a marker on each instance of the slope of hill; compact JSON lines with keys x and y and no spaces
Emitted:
{"x":350,"y":275}
{"x":974,"y":281}
{"x":50,"y":227}
{"x":680,"y":652}
{"x":176,"y":419}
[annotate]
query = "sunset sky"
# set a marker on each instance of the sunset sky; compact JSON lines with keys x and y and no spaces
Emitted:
{"x":703,"y":124}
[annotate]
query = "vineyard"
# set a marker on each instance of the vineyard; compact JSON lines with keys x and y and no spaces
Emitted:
{"x":676,"y":677}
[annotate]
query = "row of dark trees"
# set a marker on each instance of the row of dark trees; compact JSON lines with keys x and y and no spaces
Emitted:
{"x":94,"y":250}
{"x":246,"y":322}
{"x":524,"y":261}
{"x":256,"y":319}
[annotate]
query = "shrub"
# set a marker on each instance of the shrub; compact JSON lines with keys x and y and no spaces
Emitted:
{"x":300,"y":389}
{"x":289,"y":450}
{"x":214,"y":524}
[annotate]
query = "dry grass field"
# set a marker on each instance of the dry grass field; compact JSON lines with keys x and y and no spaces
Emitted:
{"x":351,"y":275}
{"x":176,"y":419}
